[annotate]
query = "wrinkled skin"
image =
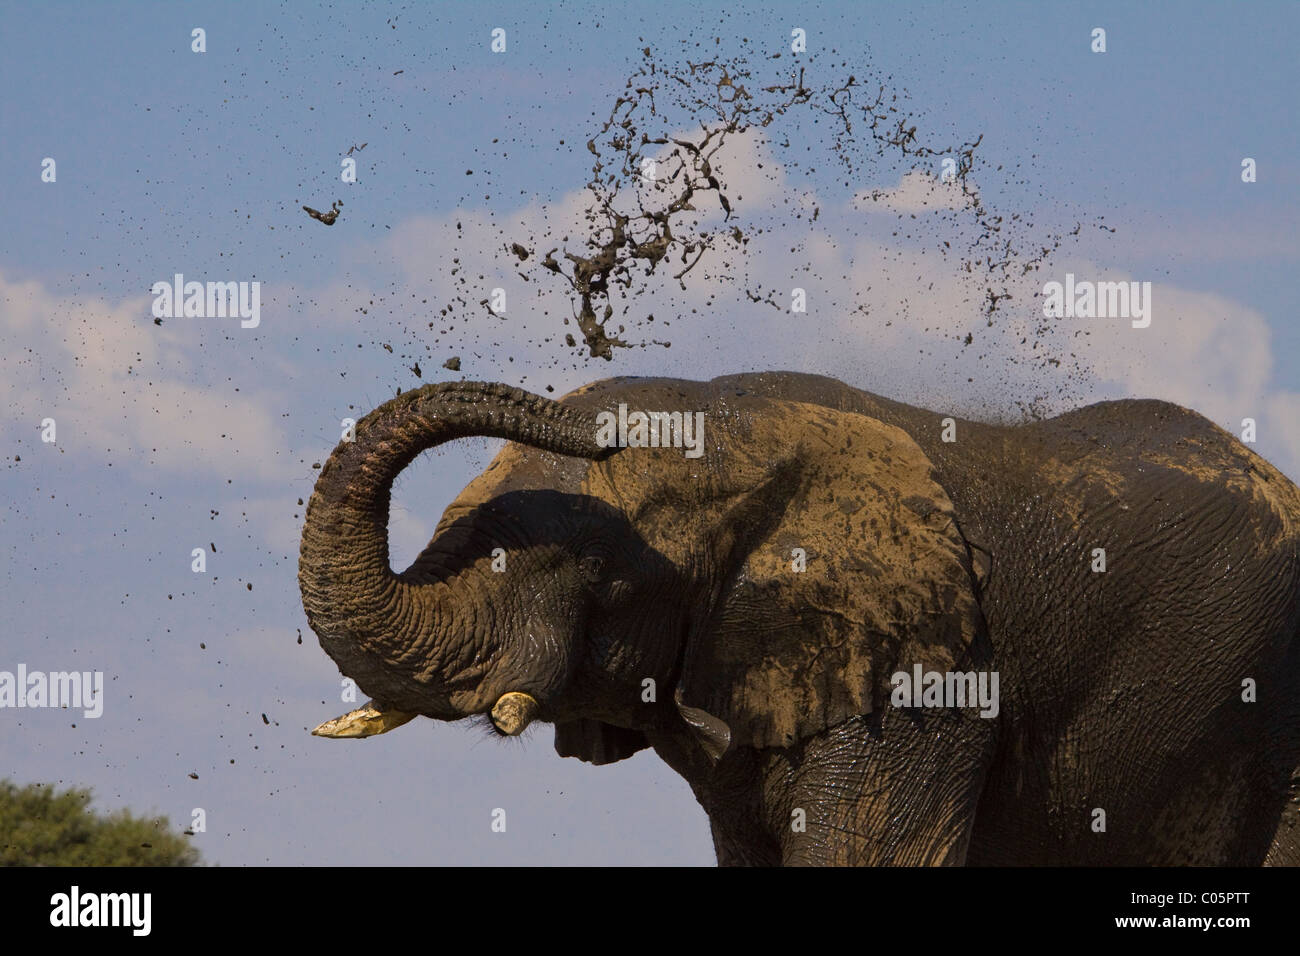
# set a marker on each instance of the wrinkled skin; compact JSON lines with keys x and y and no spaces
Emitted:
{"x":1120,"y":691}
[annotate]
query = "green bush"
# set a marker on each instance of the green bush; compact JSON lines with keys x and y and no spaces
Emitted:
{"x":39,"y":827}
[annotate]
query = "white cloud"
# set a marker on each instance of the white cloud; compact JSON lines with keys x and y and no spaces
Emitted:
{"x":917,"y":191}
{"x":122,"y":389}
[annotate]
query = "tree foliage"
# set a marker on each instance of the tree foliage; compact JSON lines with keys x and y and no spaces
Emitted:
{"x":42,"y":827}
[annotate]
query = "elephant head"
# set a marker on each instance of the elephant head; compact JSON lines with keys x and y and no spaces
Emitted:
{"x":750,"y":597}
{"x":443,"y":639}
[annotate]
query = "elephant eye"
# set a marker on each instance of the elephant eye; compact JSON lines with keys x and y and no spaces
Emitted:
{"x":590,"y":568}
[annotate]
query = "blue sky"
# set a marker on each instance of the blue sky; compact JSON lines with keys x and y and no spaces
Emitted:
{"x":198,"y":432}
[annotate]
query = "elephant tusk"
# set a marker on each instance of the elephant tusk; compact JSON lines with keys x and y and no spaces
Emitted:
{"x":365,"y":721}
{"x":513,"y":712}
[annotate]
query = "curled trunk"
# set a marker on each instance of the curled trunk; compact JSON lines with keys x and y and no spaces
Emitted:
{"x":392,"y":634}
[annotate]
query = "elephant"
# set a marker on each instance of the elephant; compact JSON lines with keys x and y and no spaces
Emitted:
{"x":865,"y":633}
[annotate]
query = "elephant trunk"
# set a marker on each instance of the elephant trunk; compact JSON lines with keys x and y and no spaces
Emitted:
{"x":395,"y":634}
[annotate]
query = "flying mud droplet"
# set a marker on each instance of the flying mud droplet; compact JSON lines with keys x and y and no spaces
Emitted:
{"x":325,"y":217}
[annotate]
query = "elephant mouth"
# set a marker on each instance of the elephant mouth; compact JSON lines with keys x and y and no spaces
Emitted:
{"x":510,"y":716}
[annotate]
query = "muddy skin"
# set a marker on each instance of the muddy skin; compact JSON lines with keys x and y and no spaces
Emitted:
{"x":1120,"y":690}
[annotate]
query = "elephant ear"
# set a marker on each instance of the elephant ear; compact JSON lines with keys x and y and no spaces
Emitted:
{"x":841,"y":564}
{"x":597,"y":742}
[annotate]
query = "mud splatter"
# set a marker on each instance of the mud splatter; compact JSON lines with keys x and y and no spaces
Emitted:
{"x":664,"y":207}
